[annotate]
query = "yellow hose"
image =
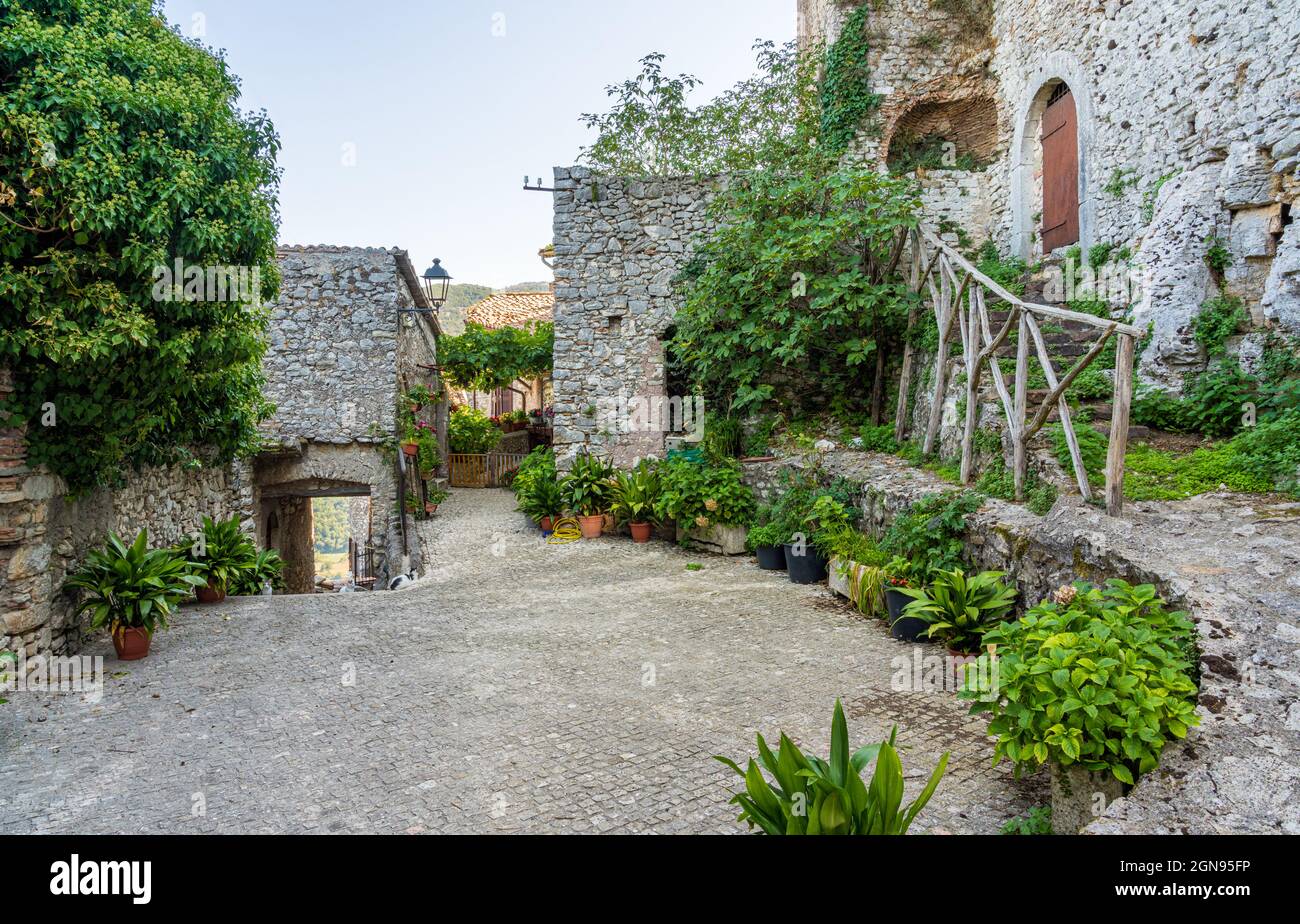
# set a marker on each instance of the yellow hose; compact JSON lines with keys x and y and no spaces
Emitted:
{"x":565,"y":530}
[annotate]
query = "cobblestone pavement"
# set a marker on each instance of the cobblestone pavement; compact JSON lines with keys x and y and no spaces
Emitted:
{"x":520,"y":687}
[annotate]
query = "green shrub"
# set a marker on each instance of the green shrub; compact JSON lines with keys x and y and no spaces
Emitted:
{"x":1152,"y":474}
{"x":812,"y":796}
{"x":1037,"y":820}
{"x":1097,"y":677}
{"x":471,"y":432}
{"x":636,"y":493}
{"x":930,"y":534}
{"x":124,"y":154}
{"x":1218,"y":320}
{"x":224,"y":556}
{"x":700,"y":495}
{"x":266,"y":567}
{"x":878,"y":439}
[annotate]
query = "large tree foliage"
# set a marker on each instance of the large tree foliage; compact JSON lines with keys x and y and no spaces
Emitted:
{"x":768,"y":120}
{"x":485,"y":360}
{"x":122,"y":151}
{"x":797,"y":293}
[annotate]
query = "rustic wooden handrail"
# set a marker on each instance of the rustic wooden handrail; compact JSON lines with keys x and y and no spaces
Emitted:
{"x":957,"y":291}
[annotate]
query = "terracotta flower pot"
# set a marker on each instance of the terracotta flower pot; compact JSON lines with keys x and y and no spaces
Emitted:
{"x":591,"y":526}
{"x":641,"y":532}
{"x":547,"y":525}
{"x":132,"y":643}
{"x":411,"y":450}
{"x":430,"y":509}
{"x":212,"y":593}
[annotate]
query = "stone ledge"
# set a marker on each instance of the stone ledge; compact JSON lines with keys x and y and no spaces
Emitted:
{"x":1232,"y":561}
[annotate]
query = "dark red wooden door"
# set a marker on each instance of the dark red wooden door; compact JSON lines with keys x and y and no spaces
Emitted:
{"x":1060,"y":172}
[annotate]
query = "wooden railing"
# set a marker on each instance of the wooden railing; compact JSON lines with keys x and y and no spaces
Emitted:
{"x":959,"y":295}
{"x":486,"y":470}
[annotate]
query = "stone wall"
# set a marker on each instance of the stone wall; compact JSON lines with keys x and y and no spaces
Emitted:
{"x":618,"y":245}
{"x":1189,"y":126}
{"x":44,"y":535}
{"x":1235,"y":569}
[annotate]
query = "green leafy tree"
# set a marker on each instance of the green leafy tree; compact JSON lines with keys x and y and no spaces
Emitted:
{"x":796,"y":292}
{"x":122,"y":152}
{"x":485,"y":360}
{"x":768,"y":120}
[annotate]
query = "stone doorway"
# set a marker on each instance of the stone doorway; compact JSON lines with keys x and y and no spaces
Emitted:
{"x":287,"y":523}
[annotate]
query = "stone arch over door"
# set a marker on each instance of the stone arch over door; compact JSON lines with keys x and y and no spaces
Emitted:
{"x":1026,"y":151}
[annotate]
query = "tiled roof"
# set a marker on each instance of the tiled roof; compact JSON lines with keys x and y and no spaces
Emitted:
{"x":512,"y":309}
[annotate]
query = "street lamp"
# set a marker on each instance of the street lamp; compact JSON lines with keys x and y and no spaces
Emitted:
{"x":436,"y":280}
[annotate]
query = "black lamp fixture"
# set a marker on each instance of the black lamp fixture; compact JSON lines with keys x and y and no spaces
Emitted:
{"x":436,"y":280}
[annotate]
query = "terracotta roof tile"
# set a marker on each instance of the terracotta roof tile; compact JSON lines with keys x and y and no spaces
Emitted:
{"x":512,"y":309}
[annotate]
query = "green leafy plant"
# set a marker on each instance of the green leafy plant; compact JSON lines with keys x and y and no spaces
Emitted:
{"x":1038,"y":820}
{"x":961,"y":609}
{"x":588,"y":488}
{"x":826,"y":523}
{"x":132,"y":586}
{"x":266,"y":566}
{"x":809,"y":795}
{"x":1100,"y":677}
{"x":878,"y":439}
{"x":471,"y":432}
{"x":766,"y":536}
{"x":636,"y":493}
{"x":541,"y":497}
{"x":930,"y":534}
{"x":124,"y":156}
{"x":485,"y":360}
{"x":704,"y":495}
{"x":226,"y":553}
{"x":538,"y":464}
{"x":7,"y":660}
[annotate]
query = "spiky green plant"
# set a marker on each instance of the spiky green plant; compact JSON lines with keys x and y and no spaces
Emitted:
{"x":813,"y":796}
{"x":961,"y":609}
{"x":132,"y":586}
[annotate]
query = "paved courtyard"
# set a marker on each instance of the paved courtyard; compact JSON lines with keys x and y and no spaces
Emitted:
{"x":521,"y":687}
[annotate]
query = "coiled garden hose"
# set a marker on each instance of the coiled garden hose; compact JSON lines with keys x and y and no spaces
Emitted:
{"x":565,"y":530}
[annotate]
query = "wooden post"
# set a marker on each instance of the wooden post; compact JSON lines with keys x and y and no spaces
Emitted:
{"x":905,"y":379}
{"x":1020,"y":463}
{"x":971,"y":344}
{"x":1119,"y":425}
{"x":945,"y":313}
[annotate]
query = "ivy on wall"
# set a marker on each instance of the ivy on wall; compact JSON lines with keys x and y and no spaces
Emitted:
{"x":846,"y":97}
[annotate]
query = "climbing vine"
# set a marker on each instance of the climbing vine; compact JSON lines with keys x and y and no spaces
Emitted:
{"x":846,"y":98}
{"x":485,"y":360}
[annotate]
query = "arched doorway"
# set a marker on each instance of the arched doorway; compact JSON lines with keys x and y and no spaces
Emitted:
{"x":1050,"y":175}
{"x":1059,"y":142}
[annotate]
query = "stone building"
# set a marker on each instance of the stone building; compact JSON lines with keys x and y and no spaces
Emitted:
{"x":340,"y":353}
{"x":1144,"y":129}
{"x":519,"y":310}
{"x":1147,"y":126}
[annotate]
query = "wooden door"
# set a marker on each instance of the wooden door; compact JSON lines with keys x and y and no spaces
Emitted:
{"x":1060,"y":171}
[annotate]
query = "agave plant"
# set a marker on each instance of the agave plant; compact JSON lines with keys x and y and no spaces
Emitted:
{"x":132,"y":586}
{"x":961,"y":609}
{"x":812,"y":796}
{"x":635,"y":494}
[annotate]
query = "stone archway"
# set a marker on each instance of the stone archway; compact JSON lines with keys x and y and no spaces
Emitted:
{"x":1026,"y":151}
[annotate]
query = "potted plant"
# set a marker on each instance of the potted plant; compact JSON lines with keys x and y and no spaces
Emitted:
{"x":266,"y":572}
{"x":433,"y":500}
{"x":807,"y":561}
{"x":132,"y":590}
{"x":412,"y":502}
{"x":897,"y":579}
{"x":587,"y":491}
{"x":960,"y":609}
{"x":768,"y":543}
{"x":634,"y":497}
{"x":223,"y":554}
{"x":710,"y":504}
{"x":1094,"y":682}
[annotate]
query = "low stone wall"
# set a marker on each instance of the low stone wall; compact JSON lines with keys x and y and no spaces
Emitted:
{"x":1233,"y":562}
{"x":53,"y":535}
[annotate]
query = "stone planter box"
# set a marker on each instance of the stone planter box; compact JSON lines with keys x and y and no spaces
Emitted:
{"x":1075,"y":793}
{"x":837,"y":577}
{"x":721,"y":540}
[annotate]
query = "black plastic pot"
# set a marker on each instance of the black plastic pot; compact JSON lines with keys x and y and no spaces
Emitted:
{"x":808,"y":568}
{"x":771,"y":557}
{"x":903,"y":628}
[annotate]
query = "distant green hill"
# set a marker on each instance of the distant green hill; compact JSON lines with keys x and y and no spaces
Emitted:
{"x":528,"y":287}
{"x":464,"y":294}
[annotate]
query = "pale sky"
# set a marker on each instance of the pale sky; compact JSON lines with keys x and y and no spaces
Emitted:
{"x":445,"y":106}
